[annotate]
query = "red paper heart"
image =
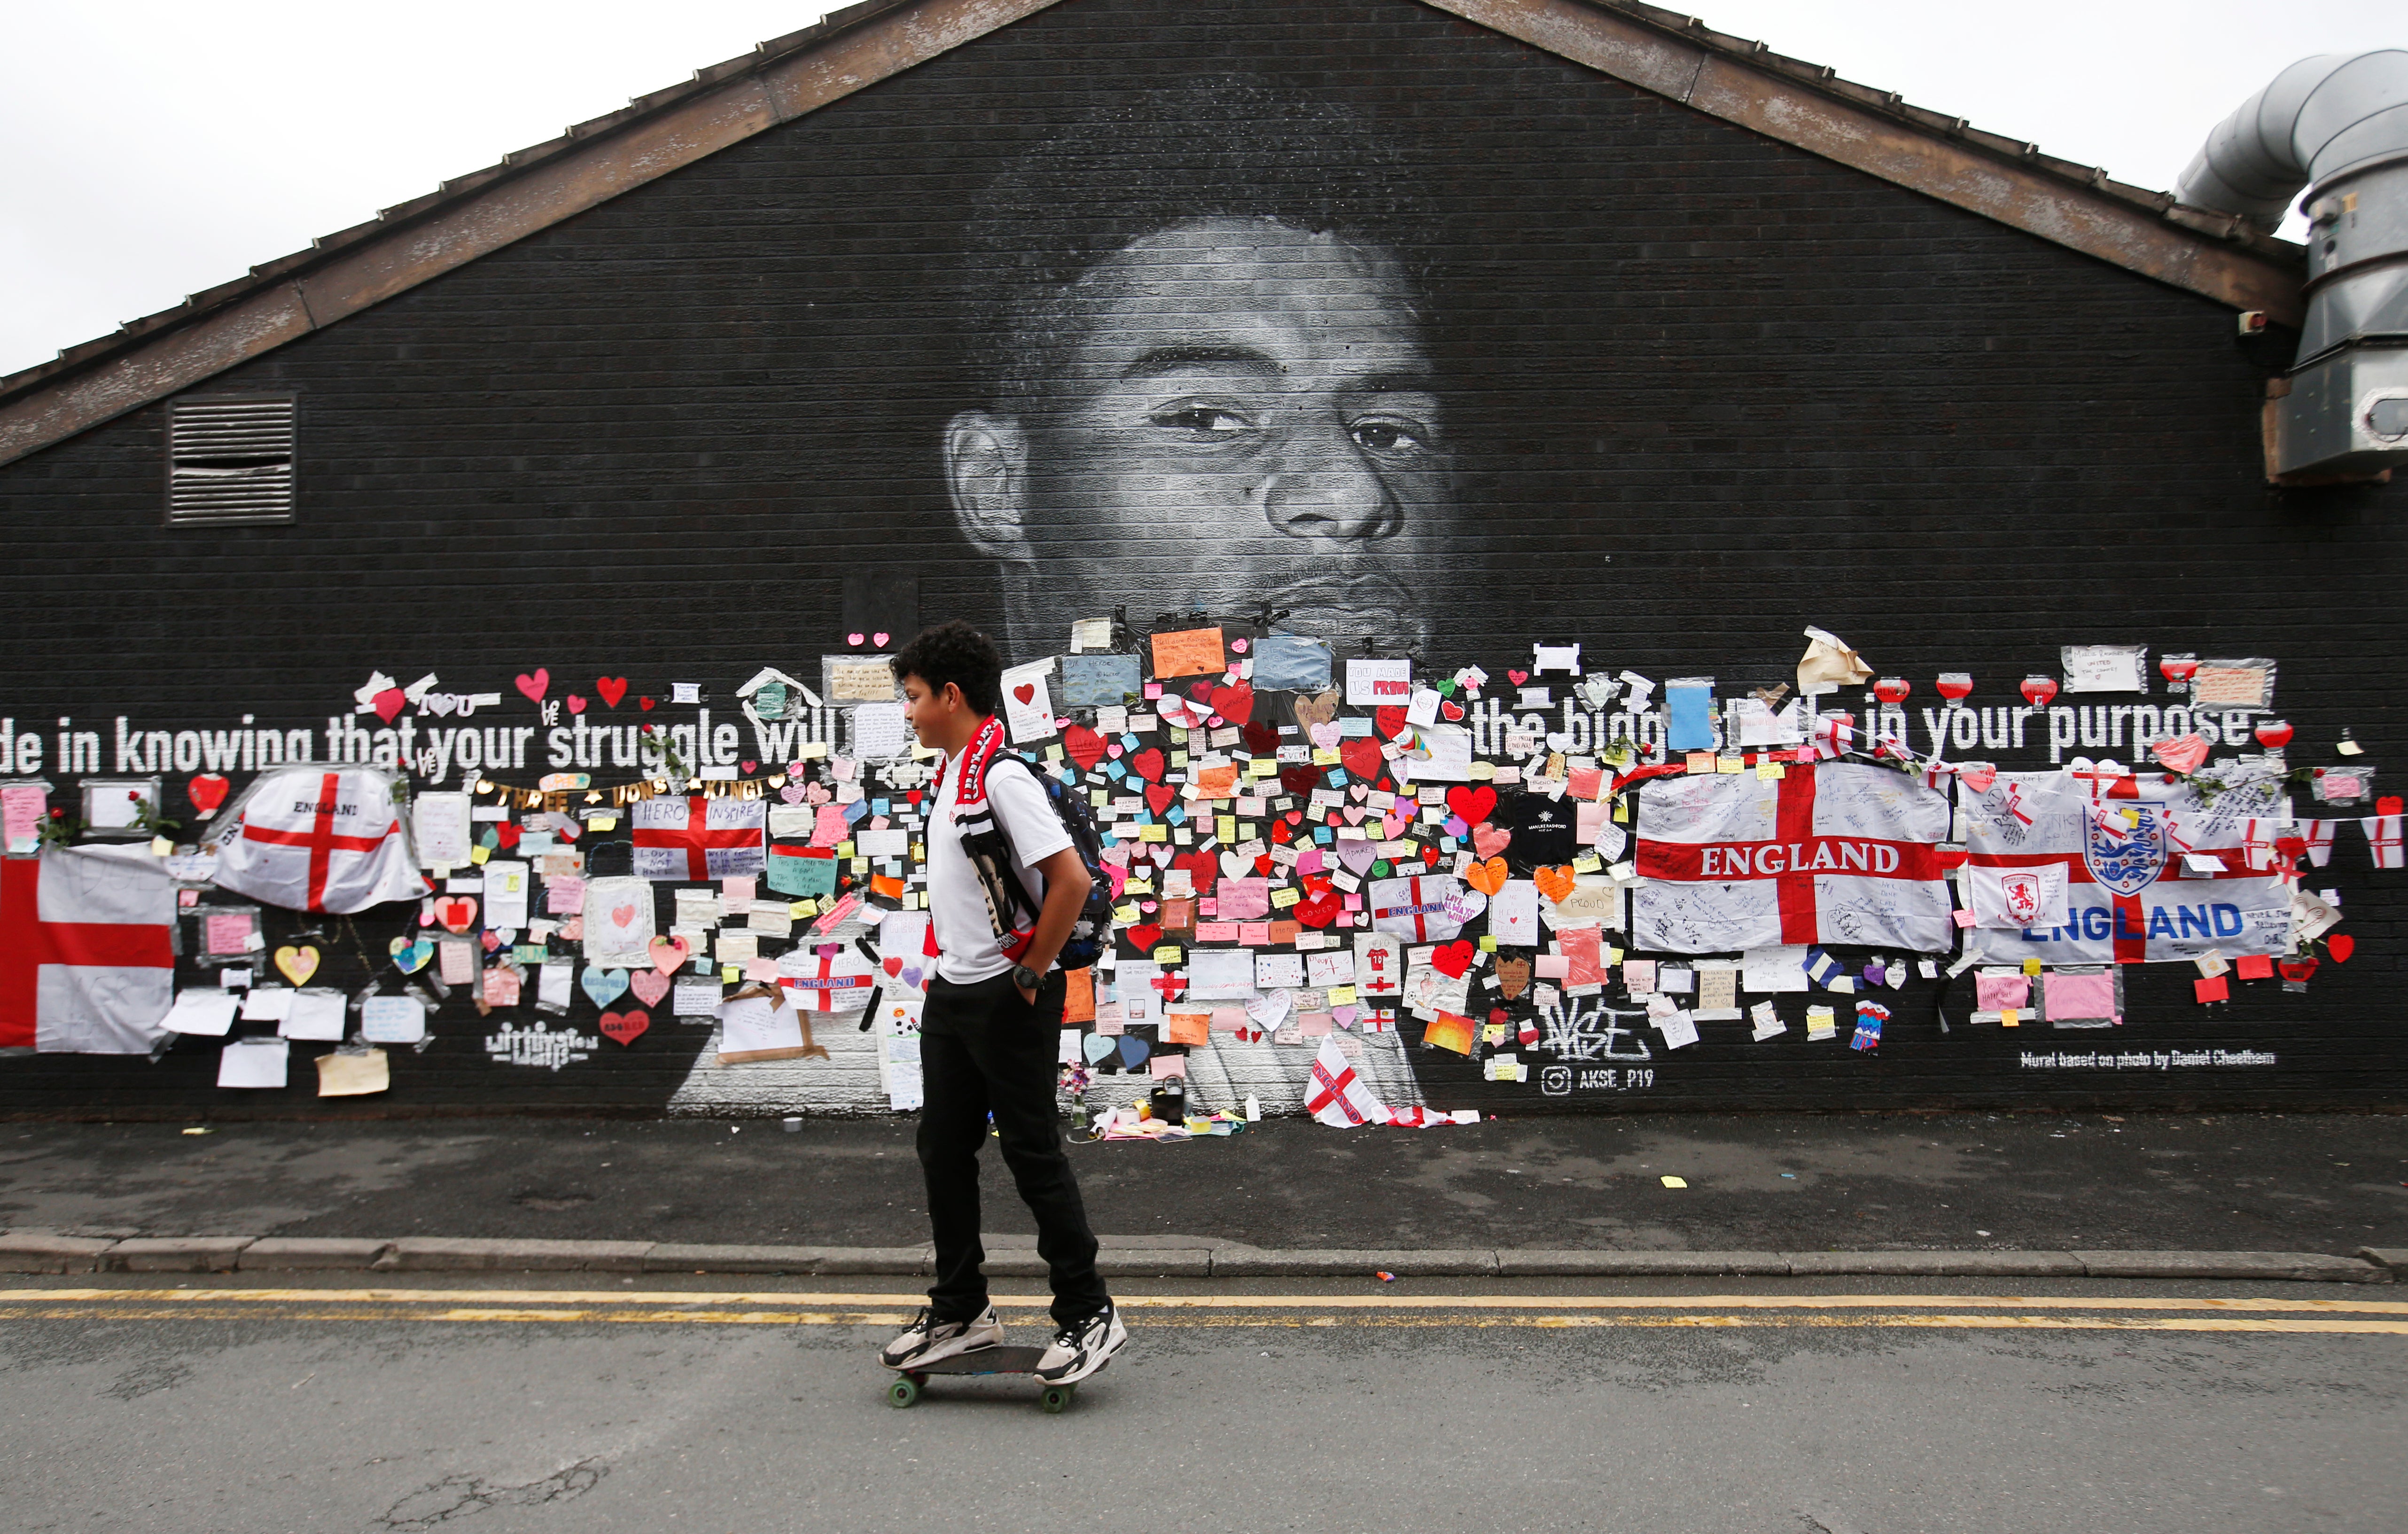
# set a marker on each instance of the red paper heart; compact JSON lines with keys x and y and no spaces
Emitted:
{"x":1450,"y":710}
{"x":1284,"y":831}
{"x":1262,"y":740}
{"x":1299,"y":779}
{"x":1429,"y":856}
{"x":1451,"y":959}
{"x":1362,"y":757}
{"x":645,"y":704}
{"x":1262,"y":865}
{"x":650,"y":985}
{"x":576,"y":704}
{"x":535,"y":684}
{"x":1202,"y":868}
{"x":1388,"y":721}
{"x":1147,"y":764}
{"x":1471,"y":805}
{"x":388,"y":703}
{"x":206,"y":792}
{"x":506,"y":834}
{"x":748,"y":764}
{"x":623,"y":1027}
{"x":1025,"y":691}
{"x":1145,"y":936}
{"x":457,"y":912}
{"x":1158,"y":797}
{"x":893,"y":965}
{"x":1517,"y":678}
{"x":1235,"y":703}
{"x":2339,"y":946}
{"x":1320,"y":909}
{"x":611,"y":688}
{"x":1083,"y":746}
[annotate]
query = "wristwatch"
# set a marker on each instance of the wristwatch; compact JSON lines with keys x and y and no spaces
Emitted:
{"x":1026,"y":978}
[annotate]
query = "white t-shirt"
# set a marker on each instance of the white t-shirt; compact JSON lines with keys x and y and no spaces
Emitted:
{"x":965,"y":942}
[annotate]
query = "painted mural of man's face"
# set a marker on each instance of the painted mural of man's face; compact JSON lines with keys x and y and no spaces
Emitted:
{"x":1237,"y":411}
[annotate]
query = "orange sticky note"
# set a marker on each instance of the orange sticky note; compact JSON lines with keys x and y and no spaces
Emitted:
{"x":1078,"y":995}
{"x":2212,"y":988}
{"x":1187,"y":1027}
{"x":1220,"y":782}
{"x":1189,"y":653}
{"x":2254,"y":967}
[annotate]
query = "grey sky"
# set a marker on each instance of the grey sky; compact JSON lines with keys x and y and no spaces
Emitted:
{"x":149,"y":149}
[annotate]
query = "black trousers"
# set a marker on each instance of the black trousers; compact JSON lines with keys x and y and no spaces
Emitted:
{"x":983,"y":1050}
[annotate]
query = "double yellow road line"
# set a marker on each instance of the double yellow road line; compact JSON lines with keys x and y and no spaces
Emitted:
{"x":1977,"y":1312}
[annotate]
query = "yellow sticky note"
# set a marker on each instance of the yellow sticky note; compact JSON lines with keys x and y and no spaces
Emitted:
{"x":1225,"y":827}
{"x":1167,"y":953}
{"x":1286,"y":897}
{"x":1672,"y":1182}
{"x":1622,"y":811}
{"x":1326,"y":756}
{"x":802,"y":908}
{"x":1730,"y":765}
{"x":1128,"y":913}
{"x":1488,"y":943}
{"x":844,"y":849}
{"x":2031,"y":967}
{"x":1341,"y":995}
{"x":1262,"y":767}
{"x":1587,"y":863}
{"x":2010,"y":1017}
{"x":478,"y":854}
{"x":1156,"y":832}
{"x":1770,"y":771}
{"x":730,"y":974}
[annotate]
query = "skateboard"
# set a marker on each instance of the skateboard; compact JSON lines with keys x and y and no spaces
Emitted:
{"x":905,"y":1389}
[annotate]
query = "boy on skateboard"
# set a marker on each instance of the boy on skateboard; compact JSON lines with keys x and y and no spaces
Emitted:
{"x":989,"y":1037}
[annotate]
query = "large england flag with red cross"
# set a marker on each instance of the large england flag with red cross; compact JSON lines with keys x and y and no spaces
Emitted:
{"x":699,"y":837}
{"x":87,"y":961}
{"x":2116,"y":842}
{"x":316,"y":839}
{"x":1838,"y":852}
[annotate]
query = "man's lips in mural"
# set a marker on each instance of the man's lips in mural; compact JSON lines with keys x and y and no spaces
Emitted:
{"x":1343,"y":610}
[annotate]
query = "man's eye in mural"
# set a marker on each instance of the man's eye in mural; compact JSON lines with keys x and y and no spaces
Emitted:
{"x":1389,"y":438}
{"x":1201,"y":421}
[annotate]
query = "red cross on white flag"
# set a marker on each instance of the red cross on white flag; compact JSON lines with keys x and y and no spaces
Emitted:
{"x":698,"y":838}
{"x":316,"y":839}
{"x":85,"y":960}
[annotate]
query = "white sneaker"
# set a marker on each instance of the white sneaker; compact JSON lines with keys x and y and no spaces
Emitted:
{"x":1080,"y":1349}
{"x":928,"y":1339}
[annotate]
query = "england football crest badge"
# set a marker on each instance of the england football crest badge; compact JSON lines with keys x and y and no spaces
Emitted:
{"x":2125,"y":856}
{"x":2022,"y":896}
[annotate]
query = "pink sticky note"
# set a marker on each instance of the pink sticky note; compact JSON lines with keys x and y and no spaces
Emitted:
{"x":227,"y":933}
{"x":1554,"y":967}
{"x":1254,"y":934}
{"x":736,"y":891}
{"x":1169,"y":1064}
{"x":1964,"y":918}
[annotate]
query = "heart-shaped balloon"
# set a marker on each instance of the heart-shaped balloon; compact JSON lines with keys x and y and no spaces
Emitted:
{"x":626,"y":1027}
{"x":668,"y":954}
{"x":206,"y":792}
{"x":650,"y":985}
{"x":297,"y":963}
{"x":2038,"y":690}
{"x":604,"y":985}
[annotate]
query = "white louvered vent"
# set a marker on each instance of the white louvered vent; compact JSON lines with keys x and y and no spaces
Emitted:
{"x":229,"y":461}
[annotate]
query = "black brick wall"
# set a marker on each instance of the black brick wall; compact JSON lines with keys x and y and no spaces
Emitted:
{"x":1706,"y":390}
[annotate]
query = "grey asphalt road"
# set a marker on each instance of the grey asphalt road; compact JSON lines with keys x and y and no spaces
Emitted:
{"x":1790,"y":1181}
{"x":1776,"y":1409}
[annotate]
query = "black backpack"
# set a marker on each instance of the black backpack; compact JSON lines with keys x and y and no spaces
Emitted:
{"x":1007,"y":901}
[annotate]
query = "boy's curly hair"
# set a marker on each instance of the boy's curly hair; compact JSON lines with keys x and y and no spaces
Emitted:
{"x":958,"y":653}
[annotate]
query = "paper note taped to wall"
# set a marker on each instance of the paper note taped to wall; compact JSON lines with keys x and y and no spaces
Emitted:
{"x":1380,"y":683}
{"x":2233,"y":685}
{"x":1189,"y":653}
{"x":2105,"y":668}
{"x":852,"y":680}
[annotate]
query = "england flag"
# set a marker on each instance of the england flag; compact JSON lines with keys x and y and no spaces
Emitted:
{"x":87,"y":956}
{"x":316,"y":839}
{"x":1838,"y":852}
{"x":2102,"y":856}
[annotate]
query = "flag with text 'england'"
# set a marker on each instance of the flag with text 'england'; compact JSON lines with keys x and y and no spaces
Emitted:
{"x":2080,"y":867}
{"x":1838,"y":852}
{"x":316,"y":839}
{"x":87,"y":956}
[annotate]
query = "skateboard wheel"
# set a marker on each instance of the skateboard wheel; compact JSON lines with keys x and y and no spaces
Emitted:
{"x":1057,"y":1398}
{"x":903,"y":1391}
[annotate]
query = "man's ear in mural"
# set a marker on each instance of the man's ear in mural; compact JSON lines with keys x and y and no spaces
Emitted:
{"x":986,"y":472}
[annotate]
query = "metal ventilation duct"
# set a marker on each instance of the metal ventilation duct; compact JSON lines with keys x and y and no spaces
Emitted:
{"x":2338,"y":125}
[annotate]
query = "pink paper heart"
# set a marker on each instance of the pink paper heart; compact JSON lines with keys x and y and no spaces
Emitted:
{"x":388,"y":703}
{"x":1354,"y":813}
{"x":1238,"y":645}
{"x":791,"y":793}
{"x":1488,"y":841}
{"x":2182,"y":754}
{"x":853,"y":638}
{"x":1325,"y":735}
{"x":1357,"y":855}
{"x":576,"y":704}
{"x":879,"y":640}
{"x":650,"y":985}
{"x":535,"y":684}
{"x":1979,"y":779}
{"x":668,"y":954}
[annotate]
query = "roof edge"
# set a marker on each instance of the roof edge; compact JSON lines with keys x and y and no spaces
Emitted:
{"x":469,"y":216}
{"x":2215,"y":254}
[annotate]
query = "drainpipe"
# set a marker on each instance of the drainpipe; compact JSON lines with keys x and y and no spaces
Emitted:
{"x":2336,"y":125}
